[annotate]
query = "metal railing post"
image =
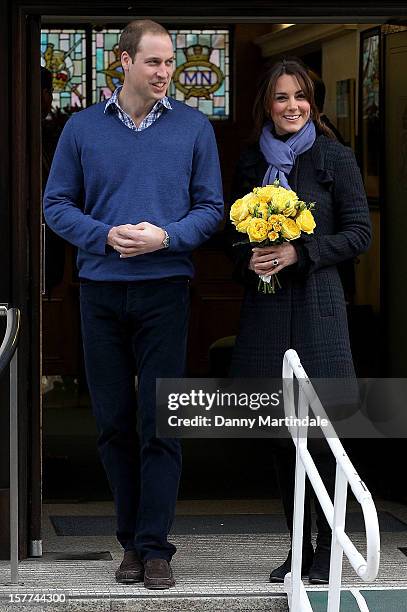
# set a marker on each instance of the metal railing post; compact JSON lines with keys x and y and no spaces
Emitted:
{"x":9,"y":357}
{"x":13,"y":470}
{"x":335,"y":572}
{"x":299,"y":498}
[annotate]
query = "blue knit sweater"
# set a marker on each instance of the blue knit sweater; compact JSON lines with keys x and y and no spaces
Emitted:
{"x":104,"y":174}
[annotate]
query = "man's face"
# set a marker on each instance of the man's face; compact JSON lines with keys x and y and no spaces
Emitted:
{"x":149,"y":75}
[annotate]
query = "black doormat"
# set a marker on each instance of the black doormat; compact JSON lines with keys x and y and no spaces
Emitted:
{"x":76,"y":556}
{"x":211,"y":524}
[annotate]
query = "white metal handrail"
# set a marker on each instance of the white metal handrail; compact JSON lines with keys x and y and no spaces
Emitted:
{"x":367,"y":569}
{"x":8,"y":356}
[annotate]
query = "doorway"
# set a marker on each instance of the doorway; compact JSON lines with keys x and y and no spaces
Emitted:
{"x":211,"y":285}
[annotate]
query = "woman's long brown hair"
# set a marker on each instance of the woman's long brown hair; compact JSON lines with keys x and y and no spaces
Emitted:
{"x":262,"y":105}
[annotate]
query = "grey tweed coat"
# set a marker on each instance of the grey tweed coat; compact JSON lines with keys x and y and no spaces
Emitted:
{"x":308,"y":314}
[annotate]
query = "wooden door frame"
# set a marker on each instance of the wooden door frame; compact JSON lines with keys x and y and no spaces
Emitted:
{"x":5,"y":249}
{"x":19,"y":185}
{"x":35,"y":272}
{"x":20,"y":248}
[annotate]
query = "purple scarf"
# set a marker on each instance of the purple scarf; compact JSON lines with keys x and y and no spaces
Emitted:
{"x":281,"y":155}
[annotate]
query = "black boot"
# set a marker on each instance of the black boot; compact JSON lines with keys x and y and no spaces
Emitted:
{"x":278,"y":574}
{"x":319,"y":571}
{"x":285,"y":465}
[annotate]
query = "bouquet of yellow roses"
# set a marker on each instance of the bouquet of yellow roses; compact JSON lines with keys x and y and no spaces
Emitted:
{"x":271,"y":215}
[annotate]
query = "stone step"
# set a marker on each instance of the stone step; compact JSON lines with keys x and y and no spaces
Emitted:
{"x":378,"y":600}
{"x":158,"y":603}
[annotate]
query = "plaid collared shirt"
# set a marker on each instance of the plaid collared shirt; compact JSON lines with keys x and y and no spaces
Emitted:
{"x":153,"y":115}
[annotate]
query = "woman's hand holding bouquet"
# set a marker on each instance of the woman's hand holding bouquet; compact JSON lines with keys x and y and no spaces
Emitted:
{"x":270,"y":216}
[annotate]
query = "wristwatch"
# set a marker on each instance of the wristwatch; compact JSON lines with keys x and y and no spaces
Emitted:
{"x":166,"y":240}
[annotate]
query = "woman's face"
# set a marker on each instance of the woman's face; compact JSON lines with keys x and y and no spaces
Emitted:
{"x":289,"y":109}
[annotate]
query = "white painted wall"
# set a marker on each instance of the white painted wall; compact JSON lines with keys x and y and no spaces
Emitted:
{"x":339,"y":62}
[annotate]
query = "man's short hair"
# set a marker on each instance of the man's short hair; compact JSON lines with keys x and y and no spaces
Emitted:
{"x":133,"y":32}
{"x":46,"y":79}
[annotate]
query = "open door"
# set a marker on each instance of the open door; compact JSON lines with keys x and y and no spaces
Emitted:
{"x":394,"y":217}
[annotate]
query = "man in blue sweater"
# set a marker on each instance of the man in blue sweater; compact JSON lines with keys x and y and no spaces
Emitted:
{"x":135,"y":185}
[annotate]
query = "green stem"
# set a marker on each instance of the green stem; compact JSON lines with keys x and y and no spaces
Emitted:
{"x":270,"y":287}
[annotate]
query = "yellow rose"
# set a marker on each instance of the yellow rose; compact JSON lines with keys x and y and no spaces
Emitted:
{"x":305,"y":221}
{"x":238,"y":211}
{"x":272,"y":236}
{"x":263,"y":210}
{"x":274,"y":222}
{"x":242,"y":226}
{"x":283,"y":198}
{"x":264,"y":193}
{"x":257,"y":230}
{"x":289,"y":229}
{"x":251,"y":200}
{"x":290,"y":210}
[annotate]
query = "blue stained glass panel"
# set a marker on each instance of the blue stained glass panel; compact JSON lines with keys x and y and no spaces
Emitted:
{"x":99,"y":60}
{"x":192,"y":39}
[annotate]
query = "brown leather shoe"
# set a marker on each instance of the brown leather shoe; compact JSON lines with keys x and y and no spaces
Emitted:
{"x":130,"y":569}
{"x":158,"y":574}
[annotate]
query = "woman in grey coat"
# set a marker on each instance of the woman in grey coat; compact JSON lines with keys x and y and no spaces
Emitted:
{"x":308,"y":313}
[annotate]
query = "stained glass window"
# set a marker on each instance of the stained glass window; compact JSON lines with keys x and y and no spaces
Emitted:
{"x":107,"y":72}
{"x":63,"y":53}
{"x":370,"y":117}
{"x":201,"y":76}
{"x":370,"y":75}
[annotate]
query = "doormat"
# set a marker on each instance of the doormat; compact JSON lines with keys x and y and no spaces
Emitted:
{"x":76,"y":556}
{"x":213,"y":524}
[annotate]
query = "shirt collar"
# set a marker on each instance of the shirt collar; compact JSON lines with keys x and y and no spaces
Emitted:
{"x":114,"y":100}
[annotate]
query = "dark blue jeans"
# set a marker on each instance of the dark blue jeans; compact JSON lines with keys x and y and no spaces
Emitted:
{"x":129,"y":329}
